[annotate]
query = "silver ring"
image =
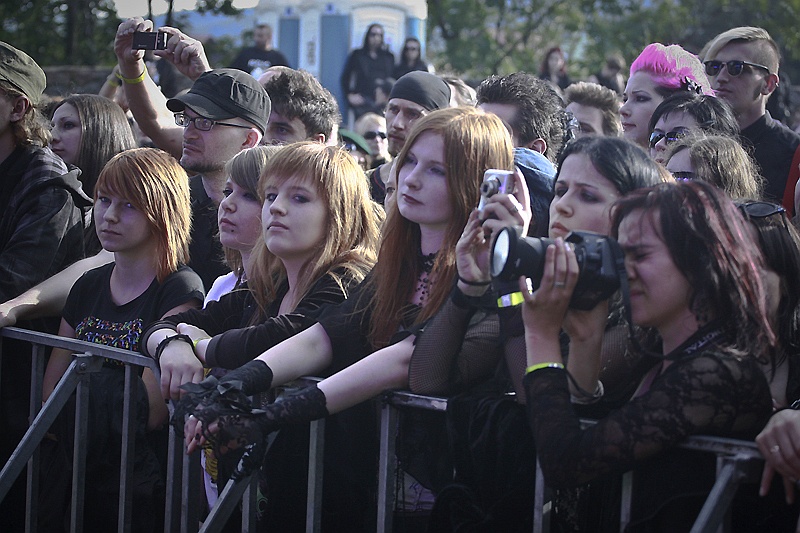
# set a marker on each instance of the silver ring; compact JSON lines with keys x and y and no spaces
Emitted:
{"x":559,"y":284}
{"x":775,"y":449}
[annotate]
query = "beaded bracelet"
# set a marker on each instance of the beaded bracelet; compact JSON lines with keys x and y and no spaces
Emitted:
{"x":132,"y":81}
{"x":163,"y":344}
{"x":539,"y":366}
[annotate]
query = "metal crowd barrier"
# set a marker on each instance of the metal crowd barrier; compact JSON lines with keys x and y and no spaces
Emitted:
{"x":737,"y":460}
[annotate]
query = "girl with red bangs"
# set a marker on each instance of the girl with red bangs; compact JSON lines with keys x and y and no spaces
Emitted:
{"x":142,"y":215}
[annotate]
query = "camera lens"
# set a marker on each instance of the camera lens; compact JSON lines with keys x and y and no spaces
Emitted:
{"x":500,"y":252}
{"x":490,"y":187}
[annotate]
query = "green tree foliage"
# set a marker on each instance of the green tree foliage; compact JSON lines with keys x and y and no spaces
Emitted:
{"x":477,"y":38}
{"x":76,"y":32}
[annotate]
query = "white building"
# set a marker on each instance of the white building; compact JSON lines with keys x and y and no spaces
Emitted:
{"x":317,"y":36}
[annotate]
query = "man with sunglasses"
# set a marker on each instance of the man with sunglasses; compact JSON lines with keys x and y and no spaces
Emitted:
{"x":742,"y":64}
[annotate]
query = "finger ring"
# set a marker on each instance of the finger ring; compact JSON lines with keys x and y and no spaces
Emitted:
{"x":559,"y":284}
{"x":775,"y":449}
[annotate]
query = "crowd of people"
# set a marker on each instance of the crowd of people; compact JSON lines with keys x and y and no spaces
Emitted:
{"x":638,"y":265}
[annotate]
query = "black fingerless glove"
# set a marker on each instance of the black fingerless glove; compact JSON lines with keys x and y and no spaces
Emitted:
{"x":232,"y":389}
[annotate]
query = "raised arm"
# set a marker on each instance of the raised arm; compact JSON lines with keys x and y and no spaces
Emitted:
{"x":146,"y":101}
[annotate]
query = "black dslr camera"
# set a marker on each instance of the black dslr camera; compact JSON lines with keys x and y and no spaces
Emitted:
{"x":600,"y":260}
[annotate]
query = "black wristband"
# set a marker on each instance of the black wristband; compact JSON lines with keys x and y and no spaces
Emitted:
{"x":474,"y":283}
{"x":152,"y":328}
{"x":461,"y":300}
{"x":163,"y":344}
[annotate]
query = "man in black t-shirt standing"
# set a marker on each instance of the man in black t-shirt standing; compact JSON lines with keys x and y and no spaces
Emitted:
{"x":256,"y":59}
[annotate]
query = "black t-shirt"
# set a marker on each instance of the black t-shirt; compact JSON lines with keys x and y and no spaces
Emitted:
{"x":773,"y":149}
{"x":255,"y":61}
{"x":96,"y":318}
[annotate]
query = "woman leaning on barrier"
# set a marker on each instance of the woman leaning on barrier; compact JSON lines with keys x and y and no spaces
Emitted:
{"x":694,"y":272}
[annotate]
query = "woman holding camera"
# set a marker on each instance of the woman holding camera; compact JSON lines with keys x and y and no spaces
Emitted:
{"x":593,"y":173}
{"x":694,"y":272}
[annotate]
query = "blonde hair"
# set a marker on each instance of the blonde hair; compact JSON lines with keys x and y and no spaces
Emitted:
{"x":768,"y":53}
{"x":473,"y":143}
{"x":244,"y":169}
{"x":155,"y":184}
{"x":352,"y":233}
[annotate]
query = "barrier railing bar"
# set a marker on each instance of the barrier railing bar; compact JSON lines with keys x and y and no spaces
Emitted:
{"x":191,"y":474}
{"x":316,"y":460}
{"x":172,"y":520}
{"x":129,"y":417}
{"x":249,"y":521}
{"x":386,"y":481}
{"x":625,"y":500}
{"x":729,"y":476}
{"x":227,"y":502}
{"x":734,"y":456}
{"x":41,"y":424}
{"x":88,"y":357}
{"x":79,"y":452}
{"x":32,"y":490}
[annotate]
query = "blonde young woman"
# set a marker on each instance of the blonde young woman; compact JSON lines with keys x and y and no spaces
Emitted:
{"x":318,"y":237}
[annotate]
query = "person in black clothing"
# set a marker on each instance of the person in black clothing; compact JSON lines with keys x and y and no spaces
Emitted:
{"x":42,"y":208}
{"x":742,"y":64}
{"x":300,"y":266}
{"x":410,"y":58}
{"x":554,"y":69}
{"x":365,"y":67}
{"x":258,"y":58}
{"x":695,"y":275}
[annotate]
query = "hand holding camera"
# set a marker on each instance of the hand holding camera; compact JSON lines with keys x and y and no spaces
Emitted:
{"x":599,"y":259}
{"x":505,"y":201}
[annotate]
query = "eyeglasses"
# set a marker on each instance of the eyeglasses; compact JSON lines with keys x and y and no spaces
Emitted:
{"x":202,"y":123}
{"x":735,"y":67}
{"x":670,"y":136}
{"x":759,"y":209}
{"x":369,"y":135}
{"x":683,"y":176}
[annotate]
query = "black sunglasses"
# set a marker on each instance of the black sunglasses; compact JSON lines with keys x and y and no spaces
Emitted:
{"x":759,"y":209}
{"x":670,"y":136}
{"x":369,"y":135}
{"x":735,"y":67}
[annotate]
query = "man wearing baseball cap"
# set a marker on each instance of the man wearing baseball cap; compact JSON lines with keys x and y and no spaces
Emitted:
{"x":224,"y":112}
{"x":413,"y":96}
{"x":41,"y":232}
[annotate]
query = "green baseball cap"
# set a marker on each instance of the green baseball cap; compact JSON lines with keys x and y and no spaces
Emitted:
{"x":21,"y":71}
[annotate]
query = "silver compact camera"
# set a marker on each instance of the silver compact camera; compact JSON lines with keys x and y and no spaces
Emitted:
{"x":495,"y":181}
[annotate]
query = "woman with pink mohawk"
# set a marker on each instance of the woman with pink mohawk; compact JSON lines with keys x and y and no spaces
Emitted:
{"x":657,"y":73}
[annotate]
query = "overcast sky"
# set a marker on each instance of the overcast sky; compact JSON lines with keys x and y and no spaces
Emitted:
{"x":138,"y":8}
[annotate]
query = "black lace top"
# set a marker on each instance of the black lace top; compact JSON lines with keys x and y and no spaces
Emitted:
{"x":706,"y":392}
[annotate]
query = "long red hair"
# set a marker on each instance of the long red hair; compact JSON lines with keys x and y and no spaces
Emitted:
{"x":473,"y":142}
